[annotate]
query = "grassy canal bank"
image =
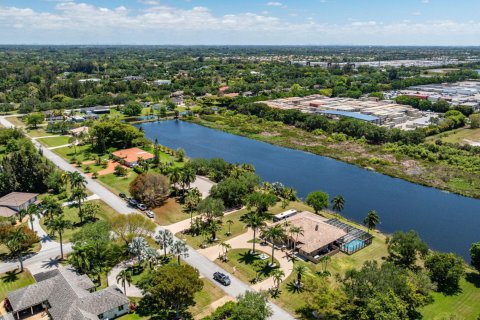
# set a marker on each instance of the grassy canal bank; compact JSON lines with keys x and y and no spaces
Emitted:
{"x":385,"y":159}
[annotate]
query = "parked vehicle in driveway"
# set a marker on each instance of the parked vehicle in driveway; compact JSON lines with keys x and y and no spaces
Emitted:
{"x":150,"y":214}
{"x":222,"y":278}
{"x":132,"y":202}
{"x":141,"y":206}
{"x":122,"y":195}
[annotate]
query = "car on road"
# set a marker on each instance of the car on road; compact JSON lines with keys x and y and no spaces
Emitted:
{"x":222,"y":278}
{"x":122,"y":195}
{"x":132,"y":202}
{"x":150,"y":214}
{"x":141,"y":206}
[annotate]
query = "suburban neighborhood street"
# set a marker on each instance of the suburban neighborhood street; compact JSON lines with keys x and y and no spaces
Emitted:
{"x":206,"y":267}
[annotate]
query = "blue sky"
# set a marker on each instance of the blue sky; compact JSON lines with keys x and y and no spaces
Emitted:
{"x":297,"y":22}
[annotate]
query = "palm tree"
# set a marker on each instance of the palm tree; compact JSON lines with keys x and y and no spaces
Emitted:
{"x":225,"y":247}
{"x":192,"y":200}
{"x":59,"y":225}
{"x":137,"y":247}
{"x":371,"y":220}
{"x":338,"y":204}
{"x":229,"y":222}
{"x":277,"y":275}
{"x":80,"y":258}
{"x":73,"y":141}
{"x":51,"y":207}
{"x":180,"y":249}
{"x":16,"y":244}
{"x":175,"y":175}
{"x":254,"y":221}
{"x":76,"y":180}
{"x":300,"y":270}
{"x":297,"y":231}
{"x":187,"y":177}
{"x":31,"y":211}
{"x":165,"y":239}
{"x":214,"y":226}
{"x":275,"y":234}
{"x":78,"y":196}
{"x":125,"y":276}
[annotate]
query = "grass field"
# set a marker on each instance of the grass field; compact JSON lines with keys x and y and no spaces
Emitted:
{"x":461,"y":136}
{"x":13,"y":280}
{"x":35,"y":133}
{"x":117,"y":184}
{"x":54,"y":141}
{"x":106,"y":214}
{"x":463,"y":306}
{"x":205,"y":297}
{"x":170,"y":212}
{"x":16,"y":121}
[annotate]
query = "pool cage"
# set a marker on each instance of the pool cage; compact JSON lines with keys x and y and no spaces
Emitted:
{"x":355,"y":239}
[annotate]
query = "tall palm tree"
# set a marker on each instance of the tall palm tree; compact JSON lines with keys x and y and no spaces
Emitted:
{"x":76,"y":180}
{"x":175,"y":175}
{"x":124,"y":277}
{"x":338,"y":203}
{"x":80,"y":258}
{"x":16,"y":244}
{"x":300,"y":270}
{"x":214,"y":226}
{"x":78,"y":196}
{"x":73,"y":141}
{"x":52,"y":207}
{"x":59,"y":225}
{"x":275,"y":234}
{"x":165,"y":239}
{"x":31,"y":211}
{"x":371,"y":220}
{"x":296,"y":231}
{"x":229,"y":222}
{"x":225,"y":247}
{"x":277,"y":276}
{"x":254,"y":221}
{"x":180,"y":249}
{"x":188,"y":176}
{"x":192,"y":200}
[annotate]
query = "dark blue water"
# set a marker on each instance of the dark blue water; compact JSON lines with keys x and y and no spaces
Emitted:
{"x":447,"y":222}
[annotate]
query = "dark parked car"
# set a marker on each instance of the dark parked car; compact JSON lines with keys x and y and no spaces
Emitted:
{"x":132,"y":202}
{"x":122,"y":195}
{"x":141,"y":206}
{"x":222,"y":278}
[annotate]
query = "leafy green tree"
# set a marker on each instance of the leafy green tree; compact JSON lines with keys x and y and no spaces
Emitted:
{"x":126,"y":227}
{"x":323,"y":300}
{"x":180,"y":153}
{"x":233,"y":190}
{"x":58,"y":225}
{"x":446,"y":270}
{"x":475,"y":255}
{"x":371,"y":220}
{"x":192,"y":200}
{"x":34,"y":119}
{"x":90,"y":211}
{"x":132,"y":109}
{"x":77,"y":198}
{"x":211,"y":208}
{"x":169,"y":291}
{"x":150,"y":188}
{"x":475,"y":121}
{"x":251,"y":306}
{"x":254,"y":221}
{"x":318,"y":200}
{"x":261,"y":201}
{"x":404,"y":248}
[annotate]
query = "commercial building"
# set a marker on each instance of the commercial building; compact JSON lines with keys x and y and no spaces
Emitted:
{"x":384,"y":113}
{"x":66,"y":295}
{"x":13,"y":202}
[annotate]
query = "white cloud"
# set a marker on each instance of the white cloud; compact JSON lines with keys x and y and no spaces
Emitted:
{"x":81,"y":23}
{"x":274,"y":4}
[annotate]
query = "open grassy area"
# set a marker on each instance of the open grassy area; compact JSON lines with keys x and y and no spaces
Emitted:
{"x":14,"y":280}
{"x":462,"y":136}
{"x":106,"y":213}
{"x":205,"y":297}
{"x":117,"y":184}
{"x":247,"y":265}
{"x":68,"y":153}
{"x":54,"y":141}
{"x":463,"y":306}
{"x":16,"y":121}
{"x":35,"y":133}
{"x":170,"y":212}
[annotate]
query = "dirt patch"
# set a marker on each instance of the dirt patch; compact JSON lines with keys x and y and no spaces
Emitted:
{"x":412,"y":168}
{"x":270,"y":134}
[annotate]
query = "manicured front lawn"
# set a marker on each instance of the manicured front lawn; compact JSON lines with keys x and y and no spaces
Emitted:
{"x":106,"y":214}
{"x":463,"y":306}
{"x":68,"y":153}
{"x":35,"y":133}
{"x":247,"y":265}
{"x":12,"y":280}
{"x":54,"y":141}
{"x":205,"y":297}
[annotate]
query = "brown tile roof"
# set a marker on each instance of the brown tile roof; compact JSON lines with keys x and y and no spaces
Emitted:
{"x":132,"y":155}
{"x":6,"y":212}
{"x":316,"y":232}
{"x":16,"y":199}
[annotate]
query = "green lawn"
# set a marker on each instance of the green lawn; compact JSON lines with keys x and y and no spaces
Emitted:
{"x":458,"y":136}
{"x":246,"y":265}
{"x":12,"y":280}
{"x":205,"y":297}
{"x":117,"y":184}
{"x":106,"y":214}
{"x":68,"y":153}
{"x":16,"y":121}
{"x":54,"y":141}
{"x":463,"y":306}
{"x":170,"y":212}
{"x":35,"y":133}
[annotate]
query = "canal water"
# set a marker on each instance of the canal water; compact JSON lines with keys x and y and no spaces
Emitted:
{"x":447,"y":222}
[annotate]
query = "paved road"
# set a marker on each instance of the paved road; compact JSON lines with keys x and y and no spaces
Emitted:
{"x":195,"y":259}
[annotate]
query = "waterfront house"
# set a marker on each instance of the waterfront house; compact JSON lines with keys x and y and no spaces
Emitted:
{"x":130,"y":157}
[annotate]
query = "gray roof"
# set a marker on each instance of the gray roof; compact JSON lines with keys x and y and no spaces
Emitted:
{"x":68,"y":295}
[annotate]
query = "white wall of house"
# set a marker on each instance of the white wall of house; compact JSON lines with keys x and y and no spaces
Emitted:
{"x":116,"y":312}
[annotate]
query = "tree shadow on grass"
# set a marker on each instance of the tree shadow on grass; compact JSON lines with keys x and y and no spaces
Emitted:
{"x":473,"y":278}
{"x":248,"y":258}
{"x":292,"y":287}
{"x":10,"y":276}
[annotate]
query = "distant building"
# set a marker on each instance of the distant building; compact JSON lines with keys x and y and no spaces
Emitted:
{"x":66,"y":295}
{"x":13,"y":202}
{"x":162,"y":82}
{"x":133,"y":78}
{"x":89,"y":80}
{"x":78,"y":131}
{"x":129,"y":157}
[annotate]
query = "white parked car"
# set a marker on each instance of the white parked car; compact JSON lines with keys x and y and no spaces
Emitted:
{"x":150,"y":214}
